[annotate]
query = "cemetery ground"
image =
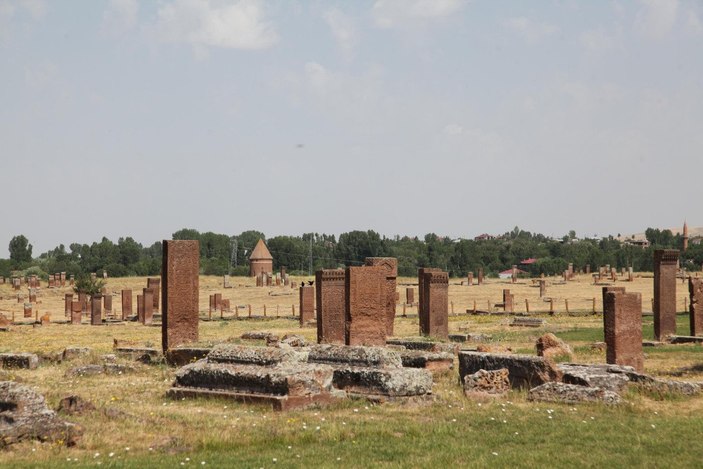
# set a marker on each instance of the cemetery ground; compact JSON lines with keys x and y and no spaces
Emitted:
{"x":135,"y":425}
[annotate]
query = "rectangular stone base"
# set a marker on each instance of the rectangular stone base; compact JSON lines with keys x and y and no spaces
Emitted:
{"x":276,"y":402}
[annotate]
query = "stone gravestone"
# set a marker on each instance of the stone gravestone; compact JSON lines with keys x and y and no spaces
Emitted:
{"x":508,"y":301}
{"x":409,"y":296}
{"x":390,"y":265}
{"x":148,"y":299}
{"x":513,"y":275}
{"x":68,"y":299}
{"x":329,"y":292}
{"x":307,"y":304}
{"x":155,"y":285}
{"x":695,"y":290}
{"x":622,"y":317}
{"x":365,"y":301}
{"x":96,"y":313}
{"x":665,"y":266}
{"x":542,"y":287}
{"x":140,"y":308}
{"x":470,"y":279}
{"x":76,"y":313}
{"x":32,"y":295}
{"x":180,"y":289}
{"x":218,"y":300}
{"x":46,"y":319}
{"x":435,"y":300}
{"x":63,"y":279}
{"x":225,"y":282}
{"x":28,"y":310}
{"x":107,"y":304}
{"x":126,"y":304}
{"x":422,"y":316}
{"x":480,"y":275}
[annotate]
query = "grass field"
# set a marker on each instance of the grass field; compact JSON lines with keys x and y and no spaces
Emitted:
{"x":134,"y":425}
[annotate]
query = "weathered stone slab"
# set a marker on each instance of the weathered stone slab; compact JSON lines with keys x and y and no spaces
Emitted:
{"x":25,"y":416}
{"x":428,"y":346}
{"x":665,"y":267}
{"x":27,"y":361}
{"x":365,"y":319}
{"x":180,"y":290}
{"x":290,"y":379}
{"x":484,"y":382}
{"x":528,"y":322}
{"x":608,"y":377}
{"x":572,"y":394}
{"x":394,"y":382}
{"x":331,"y":307}
{"x":524,"y":370}
{"x":70,"y":353}
{"x":307,"y":304}
{"x":436,"y":305}
{"x":684,"y":339}
{"x":244,"y":354}
{"x":126,"y":304}
{"x":695,"y":289}
{"x":354,"y":356}
{"x":390,"y":267}
{"x":433,"y":361}
{"x":622,"y":316}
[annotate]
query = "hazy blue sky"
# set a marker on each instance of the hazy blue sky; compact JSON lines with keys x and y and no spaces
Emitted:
{"x":125,"y":118}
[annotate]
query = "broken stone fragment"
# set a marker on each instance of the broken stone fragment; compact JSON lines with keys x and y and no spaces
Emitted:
{"x":572,"y":394}
{"x":24,"y":416}
{"x":524,"y":370}
{"x":357,"y":355}
{"x":493,"y":382}
{"x":27,"y":361}
{"x":552,"y":346}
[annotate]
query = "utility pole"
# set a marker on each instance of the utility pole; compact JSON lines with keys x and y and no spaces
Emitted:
{"x":233,"y":253}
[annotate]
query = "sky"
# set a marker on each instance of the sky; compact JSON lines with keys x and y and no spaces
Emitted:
{"x":123,"y":118}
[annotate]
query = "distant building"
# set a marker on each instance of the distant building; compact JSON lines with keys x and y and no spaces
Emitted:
{"x":483,"y":237}
{"x":260,"y":260}
{"x":643,"y":243}
{"x":509,"y":273}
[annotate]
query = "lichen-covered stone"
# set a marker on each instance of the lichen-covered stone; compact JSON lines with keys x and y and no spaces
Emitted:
{"x":354,"y":356}
{"x":292,"y":379}
{"x":572,"y":394}
{"x":107,"y":369}
{"x":256,"y":335}
{"x":493,"y":382}
{"x":402,"y":382}
{"x":24,"y":415}
{"x":524,"y":370}
{"x":262,"y":356}
{"x":609,"y":377}
{"x":70,"y":353}
{"x":74,"y":405}
{"x":180,"y":356}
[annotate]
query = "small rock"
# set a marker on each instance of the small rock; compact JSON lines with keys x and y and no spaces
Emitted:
{"x":27,"y":361}
{"x":552,"y":346}
{"x":294,"y":340}
{"x":74,"y":405}
{"x":486,"y":348}
{"x":69,"y":353}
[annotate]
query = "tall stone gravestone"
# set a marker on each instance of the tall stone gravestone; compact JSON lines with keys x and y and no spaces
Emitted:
{"x":307,"y":304}
{"x":329,"y":292}
{"x":96,"y":313}
{"x":665,"y":266}
{"x":155,"y":285}
{"x":126,"y":304}
{"x":422,"y":315}
{"x":390,"y":266}
{"x":622,"y":317}
{"x":435,"y":300}
{"x":180,"y":290}
{"x":148,"y":299}
{"x":365,"y":300}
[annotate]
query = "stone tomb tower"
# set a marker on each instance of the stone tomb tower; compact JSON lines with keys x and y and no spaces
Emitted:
{"x":260,"y":260}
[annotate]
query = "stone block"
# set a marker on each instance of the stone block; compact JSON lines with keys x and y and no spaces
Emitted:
{"x":180,"y":290}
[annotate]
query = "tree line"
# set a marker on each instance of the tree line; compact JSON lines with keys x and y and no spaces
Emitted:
{"x":225,"y":254}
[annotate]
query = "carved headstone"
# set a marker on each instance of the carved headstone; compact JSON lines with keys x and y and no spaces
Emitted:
{"x":435,"y":299}
{"x":329,"y":290}
{"x":665,"y":266}
{"x":695,"y":289}
{"x":390,"y":266}
{"x":365,"y":300}
{"x":307,"y":304}
{"x":622,"y":317}
{"x":126,"y":304}
{"x":180,"y":288}
{"x":148,"y":299}
{"x":409,"y":295}
{"x":96,"y":313}
{"x":155,"y":285}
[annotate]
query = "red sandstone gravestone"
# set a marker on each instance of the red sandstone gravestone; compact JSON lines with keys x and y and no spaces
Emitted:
{"x":622,"y":317}
{"x":665,"y":266}
{"x":155,"y":285}
{"x":96,"y":313}
{"x":329,"y":292}
{"x":435,"y":286}
{"x":126,"y":303}
{"x":140,"y":308}
{"x":307,"y":304}
{"x":76,"y":313}
{"x":390,"y":266}
{"x":68,"y":299}
{"x":107,"y":304}
{"x":422,"y":315}
{"x":365,"y":300}
{"x":409,"y":296}
{"x":180,"y":290}
{"x":507,"y":301}
{"x":148,"y":299}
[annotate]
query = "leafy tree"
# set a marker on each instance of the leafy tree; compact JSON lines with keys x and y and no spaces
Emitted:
{"x":86,"y":284}
{"x":20,"y":250}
